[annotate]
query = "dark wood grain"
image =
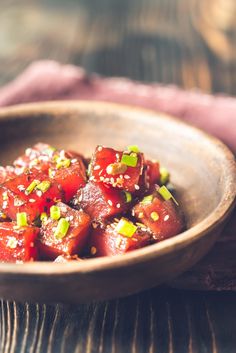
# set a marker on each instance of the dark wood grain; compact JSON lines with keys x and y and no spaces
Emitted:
{"x":186,"y":42}
{"x":154,"y":321}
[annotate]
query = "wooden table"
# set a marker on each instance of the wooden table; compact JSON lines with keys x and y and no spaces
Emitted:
{"x":187,"y":42}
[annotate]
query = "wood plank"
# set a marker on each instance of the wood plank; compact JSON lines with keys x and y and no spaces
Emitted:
{"x":190,"y":43}
{"x":159,"y":320}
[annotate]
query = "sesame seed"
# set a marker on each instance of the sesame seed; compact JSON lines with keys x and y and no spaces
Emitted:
{"x":39,"y":193}
{"x":118,"y":205}
{"x":118,"y":242}
{"x":93,"y":250}
{"x":99,"y":148}
{"x":62,"y":154}
{"x":18,"y":202}
{"x":136,"y":187}
{"x":97,"y":167}
{"x":80,"y":198}
{"x":92,"y":178}
{"x":32,"y":200}
{"x":126,"y":176}
{"x":21,"y":187}
{"x":101,"y":178}
{"x":12,"y":242}
{"x":133,"y":213}
{"x":28,"y":152}
{"x":74,"y":160}
{"x":140,"y":215}
{"x":5,"y":196}
{"x":110,"y":202}
{"x":166,"y":218}
{"x":112,"y":180}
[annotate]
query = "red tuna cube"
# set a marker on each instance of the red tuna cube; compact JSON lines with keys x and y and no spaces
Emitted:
{"x":152,"y":174}
{"x":17,"y":244}
{"x":29,"y":192}
{"x":101,"y":201}
{"x":66,"y":235}
{"x":70,"y":173}
{"x":119,"y":169}
{"x":39,"y":156}
{"x":161,"y":215}
{"x":110,"y":241}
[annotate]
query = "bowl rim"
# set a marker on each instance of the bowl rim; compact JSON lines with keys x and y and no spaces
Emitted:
{"x":217,"y":216}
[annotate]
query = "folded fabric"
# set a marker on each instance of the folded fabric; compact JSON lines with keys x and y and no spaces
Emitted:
{"x":48,"y":80}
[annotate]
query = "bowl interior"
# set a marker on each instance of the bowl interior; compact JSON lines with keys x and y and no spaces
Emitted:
{"x":197,"y":169}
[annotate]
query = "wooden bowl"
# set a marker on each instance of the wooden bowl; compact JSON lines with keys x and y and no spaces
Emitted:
{"x":202,"y":168}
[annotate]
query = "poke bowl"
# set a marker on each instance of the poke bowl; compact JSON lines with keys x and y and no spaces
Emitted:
{"x":203,"y":175}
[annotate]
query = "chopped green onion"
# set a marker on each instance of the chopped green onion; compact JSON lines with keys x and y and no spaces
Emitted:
{"x":62,"y":228}
{"x":133,"y":148}
{"x":128,"y":196}
{"x":154,"y":216}
{"x":21,"y":219}
{"x":63,"y":163}
{"x":49,"y":151}
{"x":126,"y":228}
{"x":89,"y":169}
{"x":147,"y":199}
{"x":43,"y":217}
{"x":55,"y":212}
{"x":31,"y":187}
{"x":43,"y":186}
{"x":165,"y":175}
{"x":166,"y":194}
{"x":130,"y":160}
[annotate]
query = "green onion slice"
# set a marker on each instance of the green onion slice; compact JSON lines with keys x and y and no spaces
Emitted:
{"x":126,"y":228}
{"x":147,"y":199}
{"x":130,"y":160}
{"x":43,"y":186}
{"x":166,"y":194}
{"x":128,"y":196}
{"x":133,"y":148}
{"x":21,"y":219}
{"x":154,"y":216}
{"x":62,"y":228}
{"x":43,"y":217}
{"x":63,"y":163}
{"x":165,"y":175}
{"x":55,"y":212}
{"x":32,"y":186}
{"x":49,"y":151}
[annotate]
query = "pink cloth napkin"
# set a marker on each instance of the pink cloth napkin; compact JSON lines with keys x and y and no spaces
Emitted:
{"x":48,"y":80}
